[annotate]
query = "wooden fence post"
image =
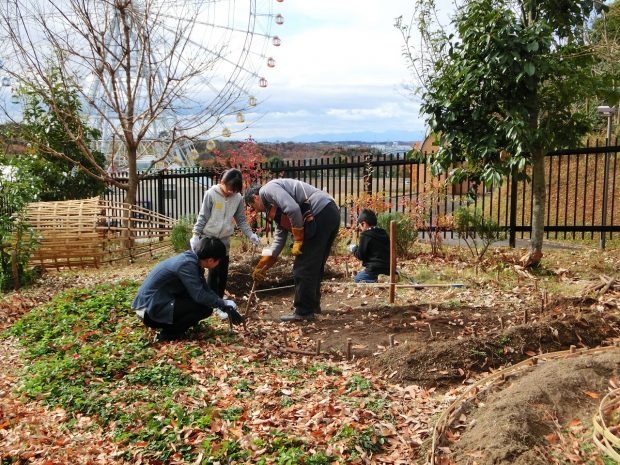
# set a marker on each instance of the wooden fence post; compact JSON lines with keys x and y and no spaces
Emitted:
{"x":392,"y":260}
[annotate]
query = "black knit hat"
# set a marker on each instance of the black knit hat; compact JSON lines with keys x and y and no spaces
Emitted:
{"x":367,"y":216}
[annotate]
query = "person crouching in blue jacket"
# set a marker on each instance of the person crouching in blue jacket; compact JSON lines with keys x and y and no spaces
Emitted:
{"x":175,"y":295}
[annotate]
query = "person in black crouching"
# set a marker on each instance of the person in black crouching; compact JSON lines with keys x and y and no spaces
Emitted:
{"x":373,"y":249}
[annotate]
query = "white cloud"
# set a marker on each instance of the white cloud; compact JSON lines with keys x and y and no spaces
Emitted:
{"x":339,"y":69}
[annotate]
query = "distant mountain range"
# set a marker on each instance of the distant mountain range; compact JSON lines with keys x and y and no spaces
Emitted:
{"x":352,"y":137}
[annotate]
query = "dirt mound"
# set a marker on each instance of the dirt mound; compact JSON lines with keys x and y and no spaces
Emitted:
{"x":509,"y":425}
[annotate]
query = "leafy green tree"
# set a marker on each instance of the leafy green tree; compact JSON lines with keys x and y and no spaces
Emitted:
{"x":56,"y":158}
{"x":504,"y":88}
{"x":18,"y":187}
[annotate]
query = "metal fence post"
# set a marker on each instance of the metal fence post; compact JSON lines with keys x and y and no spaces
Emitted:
{"x":513,"y":208}
{"x":606,"y":180}
{"x":160,"y":193}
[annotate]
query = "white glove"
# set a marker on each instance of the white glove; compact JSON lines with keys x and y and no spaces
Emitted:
{"x":352,"y":247}
{"x":193,"y":242}
{"x":230,"y":303}
{"x":254,"y":239}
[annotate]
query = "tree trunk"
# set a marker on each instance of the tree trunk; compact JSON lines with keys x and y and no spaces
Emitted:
{"x":538,"y":209}
{"x":130,"y":199}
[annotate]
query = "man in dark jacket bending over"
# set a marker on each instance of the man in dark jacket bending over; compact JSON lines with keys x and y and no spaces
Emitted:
{"x":374,"y":248}
{"x":175,"y":296}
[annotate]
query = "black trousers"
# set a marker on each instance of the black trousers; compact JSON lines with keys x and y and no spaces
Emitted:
{"x":309,"y":267}
{"x":218,"y":277}
{"x":186,"y":314}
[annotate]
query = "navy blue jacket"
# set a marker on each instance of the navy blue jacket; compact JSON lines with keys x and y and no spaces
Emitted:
{"x":177,"y":276}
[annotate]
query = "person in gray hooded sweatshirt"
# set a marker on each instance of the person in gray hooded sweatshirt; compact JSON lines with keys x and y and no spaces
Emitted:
{"x":221,"y":205}
{"x":313,"y":218}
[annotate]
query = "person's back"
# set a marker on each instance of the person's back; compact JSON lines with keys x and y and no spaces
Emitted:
{"x":374,"y":250}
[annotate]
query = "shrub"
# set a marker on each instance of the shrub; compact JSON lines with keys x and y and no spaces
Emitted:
{"x":18,"y":187}
{"x":477,"y":232}
{"x":17,"y":242}
{"x":406,"y":230}
{"x":181,"y":234}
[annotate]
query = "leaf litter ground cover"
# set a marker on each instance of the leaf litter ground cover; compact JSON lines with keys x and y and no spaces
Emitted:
{"x":94,"y":389}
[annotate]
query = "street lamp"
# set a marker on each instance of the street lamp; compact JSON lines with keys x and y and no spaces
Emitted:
{"x":607,"y":111}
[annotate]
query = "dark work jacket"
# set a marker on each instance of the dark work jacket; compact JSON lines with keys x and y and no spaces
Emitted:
{"x":374,"y":250}
{"x":178,"y":276}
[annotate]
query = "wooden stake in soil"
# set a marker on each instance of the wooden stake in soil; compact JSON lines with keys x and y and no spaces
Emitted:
{"x":349,"y":348}
{"x":392,"y":260}
{"x":318,"y":347}
{"x":391,"y":340}
{"x":247,"y":305}
{"x":526,"y":316}
{"x":501,"y":322}
{"x":430,"y":330}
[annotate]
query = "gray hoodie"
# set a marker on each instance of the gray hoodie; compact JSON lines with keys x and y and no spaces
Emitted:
{"x":217,"y":213}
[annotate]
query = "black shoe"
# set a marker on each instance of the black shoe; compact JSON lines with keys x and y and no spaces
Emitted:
{"x":297,"y":317}
{"x":164,"y":336}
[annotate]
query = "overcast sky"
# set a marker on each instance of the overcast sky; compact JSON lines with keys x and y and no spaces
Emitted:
{"x":338,"y":71}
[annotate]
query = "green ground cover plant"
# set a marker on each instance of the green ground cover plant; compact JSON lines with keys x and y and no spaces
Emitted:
{"x":87,"y":353}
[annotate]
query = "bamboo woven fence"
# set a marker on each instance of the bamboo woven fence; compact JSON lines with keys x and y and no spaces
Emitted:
{"x":606,"y":434}
{"x":91,"y":232}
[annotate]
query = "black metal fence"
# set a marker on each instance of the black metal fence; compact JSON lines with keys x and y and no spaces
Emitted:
{"x":575,"y":179}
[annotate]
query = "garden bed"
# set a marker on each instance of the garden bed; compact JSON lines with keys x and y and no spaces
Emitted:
{"x":273,"y":397}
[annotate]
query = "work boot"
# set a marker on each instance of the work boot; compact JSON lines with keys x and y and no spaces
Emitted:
{"x":297,"y":317}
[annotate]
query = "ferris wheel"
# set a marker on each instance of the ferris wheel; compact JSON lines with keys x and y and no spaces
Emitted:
{"x":174,"y":69}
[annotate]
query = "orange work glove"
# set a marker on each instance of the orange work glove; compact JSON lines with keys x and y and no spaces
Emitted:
{"x":298,"y":234}
{"x":261,"y":268}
